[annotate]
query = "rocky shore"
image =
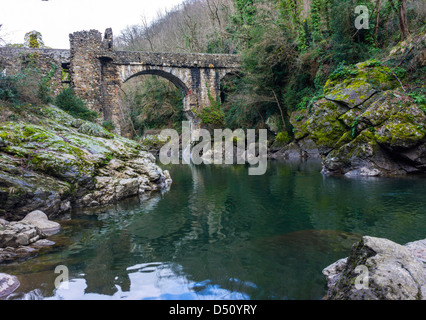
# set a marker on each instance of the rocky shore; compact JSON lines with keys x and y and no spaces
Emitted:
{"x":365,"y":125}
{"x":366,"y":122}
{"x":20,"y":240}
{"x":379,"y":269}
{"x":52,"y":162}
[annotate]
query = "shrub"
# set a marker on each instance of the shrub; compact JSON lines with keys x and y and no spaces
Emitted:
{"x":283,"y":138}
{"x":108,"y":125}
{"x":69,"y":102}
{"x":8,"y":89}
{"x":212,"y":116}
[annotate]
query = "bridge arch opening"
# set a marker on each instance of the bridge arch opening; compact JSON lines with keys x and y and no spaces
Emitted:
{"x":167,"y":75}
{"x":151,"y":100}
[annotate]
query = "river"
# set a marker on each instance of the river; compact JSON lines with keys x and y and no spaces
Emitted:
{"x":219,"y":233}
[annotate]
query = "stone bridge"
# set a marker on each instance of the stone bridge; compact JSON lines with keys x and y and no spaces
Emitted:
{"x":96,"y":71}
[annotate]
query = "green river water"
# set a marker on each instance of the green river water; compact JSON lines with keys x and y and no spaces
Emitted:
{"x":219,"y":233}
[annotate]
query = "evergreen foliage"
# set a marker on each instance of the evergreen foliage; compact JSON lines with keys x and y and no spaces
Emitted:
{"x":69,"y":102}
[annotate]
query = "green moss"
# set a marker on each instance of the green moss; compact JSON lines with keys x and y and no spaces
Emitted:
{"x":361,"y":147}
{"x":344,"y":139}
{"x":299,"y":120}
{"x":282,"y":139}
{"x":212,"y":117}
{"x":358,"y":85}
{"x":324,"y":125}
{"x":95,"y":130}
{"x":399,"y":134}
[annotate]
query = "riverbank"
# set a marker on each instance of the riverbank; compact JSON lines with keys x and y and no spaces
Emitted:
{"x":52,"y":162}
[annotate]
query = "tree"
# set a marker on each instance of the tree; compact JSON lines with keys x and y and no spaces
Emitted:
{"x":34,"y":39}
{"x":1,"y":39}
{"x":403,"y":23}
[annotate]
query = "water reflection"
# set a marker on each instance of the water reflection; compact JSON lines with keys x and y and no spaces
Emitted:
{"x":219,"y":233}
{"x":150,"y":281}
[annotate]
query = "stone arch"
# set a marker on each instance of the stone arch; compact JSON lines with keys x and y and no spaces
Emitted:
{"x":167,"y":75}
{"x":186,"y":88}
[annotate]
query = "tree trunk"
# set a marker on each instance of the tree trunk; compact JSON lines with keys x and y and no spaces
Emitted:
{"x":403,"y":23}
{"x":379,"y":3}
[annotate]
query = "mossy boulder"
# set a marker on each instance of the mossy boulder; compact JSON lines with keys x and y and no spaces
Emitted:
{"x":366,"y":125}
{"x":388,"y":138}
{"x":298,"y":120}
{"x":362,"y":156}
{"x":324,"y":126}
{"x":51,"y":163}
{"x":95,"y":130}
{"x":359,"y":83}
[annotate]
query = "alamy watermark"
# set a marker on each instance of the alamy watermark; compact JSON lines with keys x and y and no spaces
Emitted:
{"x":192,"y":150}
{"x":361,"y":281}
{"x":62,"y":281}
{"x":362,"y":20}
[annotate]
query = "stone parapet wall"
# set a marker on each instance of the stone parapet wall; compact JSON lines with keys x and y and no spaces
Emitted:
{"x":15,"y":60}
{"x":180,"y":60}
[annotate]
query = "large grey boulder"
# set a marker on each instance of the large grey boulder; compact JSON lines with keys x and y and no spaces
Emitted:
{"x":379,"y":269}
{"x":74,"y":164}
{"x":40,"y":220}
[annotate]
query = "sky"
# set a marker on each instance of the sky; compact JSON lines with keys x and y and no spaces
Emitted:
{"x":56,"y":19}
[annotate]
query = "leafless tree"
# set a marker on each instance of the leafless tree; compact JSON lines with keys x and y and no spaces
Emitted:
{"x":2,"y":42}
{"x":187,"y":27}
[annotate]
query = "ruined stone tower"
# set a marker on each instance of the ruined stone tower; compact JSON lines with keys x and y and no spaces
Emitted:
{"x":93,"y":75}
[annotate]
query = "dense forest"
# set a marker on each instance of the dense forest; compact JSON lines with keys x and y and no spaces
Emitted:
{"x":289,"y":49}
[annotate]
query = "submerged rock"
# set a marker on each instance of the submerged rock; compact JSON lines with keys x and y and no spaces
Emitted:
{"x":41,"y":221}
{"x":391,"y":272}
{"x":8,"y":284}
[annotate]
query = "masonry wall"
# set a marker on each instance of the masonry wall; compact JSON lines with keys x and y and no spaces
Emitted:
{"x":85,"y":68}
{"x":16,"y":60}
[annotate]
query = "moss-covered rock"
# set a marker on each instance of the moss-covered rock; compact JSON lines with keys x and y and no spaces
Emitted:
{"x":399,"y":135}
{"x":366,"y":125}
{"x":95,"y":130}
{"x":390,"y":142}
{"x":53,"y":163}
{"x":298,"y":120}
{"x":274,"y":123}
{"x":324,"y":126}
{"x":359,"y":84}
